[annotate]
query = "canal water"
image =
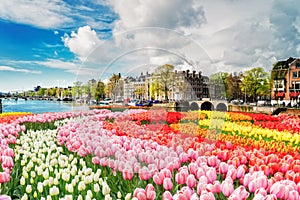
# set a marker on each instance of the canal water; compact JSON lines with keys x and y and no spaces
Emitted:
{"x":39,"y":106}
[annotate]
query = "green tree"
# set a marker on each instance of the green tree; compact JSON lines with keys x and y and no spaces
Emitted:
{"x":99,"y":91}
{"x":41,"y":92}
{"x":77,"y":89}
{"x":112,"y":85}
{"x":219,"y":85}
{"x":255,"y":82}
{"x":164,"y":77}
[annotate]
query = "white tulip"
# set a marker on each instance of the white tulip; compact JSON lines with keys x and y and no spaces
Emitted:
{"x":28,"y":189}
{"x":96,"y":187}
{"x":107,"y":197}
{"x":89,"y":193}
{"x":119,"y":195}
{"x":81,"y":186}
{"x":65,"y":177}
{"x":80,"y":197}
{"x":22,"y":180}
{"x":70,"y":188}
{"x":68,"y":197}
{"x":40,"y":187}
{"x":54,"y":191}
{"x":128,"y":196}
{"x":24,"y":197}
{"x":105,"y":189}
{"x":55,"y":181}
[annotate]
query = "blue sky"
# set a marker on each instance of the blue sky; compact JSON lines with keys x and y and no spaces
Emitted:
{"x":55,"y":43}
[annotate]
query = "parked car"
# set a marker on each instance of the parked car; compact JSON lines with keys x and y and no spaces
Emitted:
{"x":132,"y":102}
{"x":144,"y":103}
{"x":106,"y":101}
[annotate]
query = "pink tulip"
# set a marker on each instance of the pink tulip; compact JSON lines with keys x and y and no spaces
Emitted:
{"x":213,"y":161}
{"x":157,"y":180}
{"x":270,"y":197}
{"x":166,"y":173}
{"x":180,"y":178}
{"x":191,"y":181}
{"x":7,"y":162}
{"x":167,"y":196}
{"x":231,"y":172}
{"x":4,"y":197}
{"x":211,"y":175}
{"x":240,"y":172}
{"x":187,"y":192}
{"x":127,"y":174}
{"x":200,"y":187}
{"x":144,"y":173}
{"x":223,"y":168}
{"x":227,"y":187}
{"x":4,"y":177}
{"x":293,"y":194}
{"x":200,"y":173}
{"x":167,"y":183}
{"x":193,"y":167}
{"x":278,"y":189}
{"x":150,"y":192}
{"x":217,"y":187}
{"x":258,"y":197}
{"x":207,"y":195}
{"x":240,"y":192}
{"x":261,"y":191}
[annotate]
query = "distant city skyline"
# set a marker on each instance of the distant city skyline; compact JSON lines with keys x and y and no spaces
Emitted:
{"x":56,"y":43}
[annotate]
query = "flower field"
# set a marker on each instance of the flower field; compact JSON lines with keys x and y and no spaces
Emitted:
{"x":149,"y":154}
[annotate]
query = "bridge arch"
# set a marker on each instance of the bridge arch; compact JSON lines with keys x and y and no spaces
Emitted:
{"x":194,"y":106}
{"x":207,"y":106}
{"x":221,"y":107}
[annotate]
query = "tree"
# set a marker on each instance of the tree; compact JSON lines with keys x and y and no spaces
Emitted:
{"x":99,"y":92}
{"x":77,"y":89}
{"x":165,"y":79}
{"x":112,"y":85}
{"x":233,"y":85}
{"x":255,"y":82}
{"x":219,"y":85}
{"x":41,"y":92}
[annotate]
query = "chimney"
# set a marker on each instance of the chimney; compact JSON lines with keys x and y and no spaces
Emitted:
{"x":175,"y":71}
{"x":194,"y":73}
{"x":119,"y":75}
{"x":187,"y":73}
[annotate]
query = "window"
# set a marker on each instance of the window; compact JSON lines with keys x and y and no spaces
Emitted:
{"x":298,"y":65}
{"x":295,"y":74}
{"x":298,"y":74}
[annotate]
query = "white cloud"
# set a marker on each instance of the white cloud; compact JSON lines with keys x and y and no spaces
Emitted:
{"x":11,"y":69}
{"x":163,"y":13}
{"x":44,"y":14}
{"x":82,"y":42}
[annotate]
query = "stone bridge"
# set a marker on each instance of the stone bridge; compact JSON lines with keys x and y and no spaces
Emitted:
{"x":218,"y":105}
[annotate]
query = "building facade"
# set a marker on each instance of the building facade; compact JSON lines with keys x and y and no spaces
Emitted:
{"x":286,"y":81}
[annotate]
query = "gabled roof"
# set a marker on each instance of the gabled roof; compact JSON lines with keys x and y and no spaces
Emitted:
{"x":283,"y":64}
{"x":294,"y":61}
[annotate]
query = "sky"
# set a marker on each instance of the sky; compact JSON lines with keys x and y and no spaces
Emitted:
{"x":58,"y":42}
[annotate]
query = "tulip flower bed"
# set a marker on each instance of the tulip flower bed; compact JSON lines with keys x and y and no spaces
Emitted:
{"x":149,"y":154}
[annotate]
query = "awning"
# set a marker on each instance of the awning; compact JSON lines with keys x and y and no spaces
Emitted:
{"x":279,"y":94}
{"x":294,"y":94}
